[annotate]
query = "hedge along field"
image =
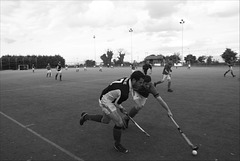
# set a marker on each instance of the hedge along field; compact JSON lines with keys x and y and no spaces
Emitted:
{"x":204,"y":103}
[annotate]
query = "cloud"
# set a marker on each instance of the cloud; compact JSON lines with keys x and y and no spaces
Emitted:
{"x":161,"y":9}
{"x":224,"y":9}
{"x":9,"y":41}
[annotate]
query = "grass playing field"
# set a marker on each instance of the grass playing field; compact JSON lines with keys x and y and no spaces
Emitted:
{"x":39,"y":116}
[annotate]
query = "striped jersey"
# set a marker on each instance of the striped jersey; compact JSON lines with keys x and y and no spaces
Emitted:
{"x":118,"y":91}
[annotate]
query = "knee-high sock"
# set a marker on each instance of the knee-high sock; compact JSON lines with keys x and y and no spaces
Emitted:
{"x":117,"y":133}
{"x":169,"y":85}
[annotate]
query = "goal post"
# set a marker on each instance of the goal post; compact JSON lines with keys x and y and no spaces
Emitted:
{"x":23,"y":67}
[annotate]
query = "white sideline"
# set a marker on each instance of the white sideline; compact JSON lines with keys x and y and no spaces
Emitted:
{"x":43,"y":138}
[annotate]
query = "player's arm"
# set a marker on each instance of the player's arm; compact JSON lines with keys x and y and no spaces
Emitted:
{"x":155,"y":93}
{"x":164,"y":105}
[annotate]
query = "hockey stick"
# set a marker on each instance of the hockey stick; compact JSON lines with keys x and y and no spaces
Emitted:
{"x":137,"y":124}
{"x":194,"y":147}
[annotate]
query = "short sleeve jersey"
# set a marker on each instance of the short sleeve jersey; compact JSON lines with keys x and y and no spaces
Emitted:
{"x":59,"y":67}
{"x":146,"y":91}
{"x":147,"y":66}
{"x":167,"y":69}
{"x":117,"y":91}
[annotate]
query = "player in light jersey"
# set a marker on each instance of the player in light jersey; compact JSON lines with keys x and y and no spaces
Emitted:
{"x":110,"y":100}
{"x":49,"y":72}
{"x":59,"y":71}
{"x":33,"y":68}
{"x":140,"y":97}
{"x":166,"y":75}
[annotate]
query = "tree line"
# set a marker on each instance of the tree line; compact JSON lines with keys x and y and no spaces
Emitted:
{"x":13,"y":62}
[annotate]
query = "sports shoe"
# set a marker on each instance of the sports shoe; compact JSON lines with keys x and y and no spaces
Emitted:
{"x":82,"y":119}
{"x":170,"y":90}
{"x":120,"y":148}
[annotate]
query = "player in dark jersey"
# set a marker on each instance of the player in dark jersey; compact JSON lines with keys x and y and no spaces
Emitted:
{"x":59,"y":71}
{"x":230,"y":64}
{"x":140,"y":97}
{"x":110,"y":100}
{"x":147,"y":66}
{"x":166,"y":75}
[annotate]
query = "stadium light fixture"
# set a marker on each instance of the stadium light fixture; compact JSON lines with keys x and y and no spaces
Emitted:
{"x":182,"y":22}
{"x":131,"y":30}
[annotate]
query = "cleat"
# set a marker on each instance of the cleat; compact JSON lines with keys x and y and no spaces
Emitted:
{"x":120,"y":148}
{"x":82,"y":119}
{"x":170,"y":90}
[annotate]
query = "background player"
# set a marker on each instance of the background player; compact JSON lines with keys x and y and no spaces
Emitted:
{"x":147,"y":66}
{"x":230,"y":64}
{"x":166,"y":75}
{"x":140,"y":97}
{"x":59,"y":71}
{"x":49,"y":72}
{"x":110,"y":100}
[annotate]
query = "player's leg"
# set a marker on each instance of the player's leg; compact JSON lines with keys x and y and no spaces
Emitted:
{"x":60,"y":75}
{"x":169,"y":83}
{"x":139,"y":104}
{"x":161,"y":81}
{"x":56,"y":75}
{"x":232,"y":71}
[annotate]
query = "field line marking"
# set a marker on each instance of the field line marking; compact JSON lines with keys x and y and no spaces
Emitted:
{"x":43,"y":138}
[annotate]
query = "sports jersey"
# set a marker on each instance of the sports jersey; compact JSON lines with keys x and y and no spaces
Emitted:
{"x":230,"y":63}
{"x":117,"y":91}
{"x":59,"y":67}
{"x":48,"y":67}
{"x":146,"y":67}
{"x":167,"y":69}
{"x":146,"y":91}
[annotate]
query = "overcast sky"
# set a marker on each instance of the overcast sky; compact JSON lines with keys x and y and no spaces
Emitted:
{"x":67,"y":28}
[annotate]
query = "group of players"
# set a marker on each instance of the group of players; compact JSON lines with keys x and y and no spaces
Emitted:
{"x":59,"y":71}
{"x":139,"y":85}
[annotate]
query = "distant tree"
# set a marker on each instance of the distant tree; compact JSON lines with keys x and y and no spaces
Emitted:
{"x":175,"y":58}
{"x":228,"y":54}
{"x":202,"y":59}
{"x":90,"y":63}
{"x":120,"y":57}
{"x":209,"y":60}
{"x":107,"y":58}
{"x":190,"y":58}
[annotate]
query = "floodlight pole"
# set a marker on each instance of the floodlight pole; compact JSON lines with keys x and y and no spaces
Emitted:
{"x":131,"y":30}
{"x":182,"y":22}
{"x":94,"y":49}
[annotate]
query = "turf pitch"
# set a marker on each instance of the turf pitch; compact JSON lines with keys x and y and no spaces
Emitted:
{"x":204,"y":103}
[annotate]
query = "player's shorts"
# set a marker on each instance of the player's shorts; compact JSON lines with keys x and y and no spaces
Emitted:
{"x":49,"y":71}
{"x":138,"y":99}
{"x":59,"y":71}
{"x":107,"y":106}
{"x":166,"y":76}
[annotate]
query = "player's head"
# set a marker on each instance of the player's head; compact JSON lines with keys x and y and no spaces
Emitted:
{"x":137,"y":79}
{"x":147,"y":81}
